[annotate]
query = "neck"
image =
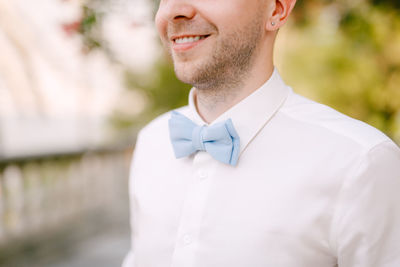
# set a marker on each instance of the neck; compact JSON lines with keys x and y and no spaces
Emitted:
{"x":213,"y":102}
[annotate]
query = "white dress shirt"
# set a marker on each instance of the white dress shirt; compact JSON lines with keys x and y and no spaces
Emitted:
{"x":312,"y":188}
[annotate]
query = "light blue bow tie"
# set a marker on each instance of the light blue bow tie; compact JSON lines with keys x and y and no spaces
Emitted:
{"x":220,"y":140}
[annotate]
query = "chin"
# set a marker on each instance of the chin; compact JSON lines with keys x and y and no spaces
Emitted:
{"x":185,"y":73}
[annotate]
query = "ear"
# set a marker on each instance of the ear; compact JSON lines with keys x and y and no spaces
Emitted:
{"x":281,"y":10}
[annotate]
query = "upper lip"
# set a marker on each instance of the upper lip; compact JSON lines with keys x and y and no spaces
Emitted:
{"x":174,"y":37}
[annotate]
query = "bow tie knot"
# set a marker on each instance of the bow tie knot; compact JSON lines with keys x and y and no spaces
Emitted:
{"x":220,"y":140}
{"x":197,"y":138}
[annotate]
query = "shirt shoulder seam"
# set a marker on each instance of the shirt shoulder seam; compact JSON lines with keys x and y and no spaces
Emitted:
{"x":365,"y":146}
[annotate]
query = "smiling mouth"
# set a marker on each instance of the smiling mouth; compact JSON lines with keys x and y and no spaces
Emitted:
{"x":189,"y":39}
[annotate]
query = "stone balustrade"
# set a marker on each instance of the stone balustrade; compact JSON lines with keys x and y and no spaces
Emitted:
{"x":45,"y":193}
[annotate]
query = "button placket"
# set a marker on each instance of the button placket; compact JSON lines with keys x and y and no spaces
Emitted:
{"x":192,"y":212}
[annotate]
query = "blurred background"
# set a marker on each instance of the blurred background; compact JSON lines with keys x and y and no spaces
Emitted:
{"x":78,"y":78}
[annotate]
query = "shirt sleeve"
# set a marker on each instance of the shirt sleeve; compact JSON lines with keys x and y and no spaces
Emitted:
{"x":366,"y":226}
{"x":129,"y":258}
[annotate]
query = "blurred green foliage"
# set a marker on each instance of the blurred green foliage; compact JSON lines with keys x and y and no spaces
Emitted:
{"x":349,"y":56}
{"x":162,"y":90}
{"x":88,"y":28}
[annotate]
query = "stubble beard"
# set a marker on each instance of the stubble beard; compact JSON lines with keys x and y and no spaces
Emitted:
{"x":224,"y":71}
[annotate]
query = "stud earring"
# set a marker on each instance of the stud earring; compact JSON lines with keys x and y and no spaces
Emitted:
{"x":273,"y":23}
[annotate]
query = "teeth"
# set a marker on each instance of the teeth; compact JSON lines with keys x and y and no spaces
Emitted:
{"x":185,"y":40}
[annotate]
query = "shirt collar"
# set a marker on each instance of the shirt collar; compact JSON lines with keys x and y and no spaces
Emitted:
{"x":251,"y":114}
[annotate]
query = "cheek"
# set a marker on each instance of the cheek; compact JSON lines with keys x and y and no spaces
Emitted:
{"x":228,"y":15}
{"x":161,"y":26}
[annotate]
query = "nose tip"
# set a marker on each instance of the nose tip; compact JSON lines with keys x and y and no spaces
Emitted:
{"x":184,"y":12}
{"x":175,"y":10}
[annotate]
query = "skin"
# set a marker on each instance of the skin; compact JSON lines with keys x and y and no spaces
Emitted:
{"x":234,"y":59}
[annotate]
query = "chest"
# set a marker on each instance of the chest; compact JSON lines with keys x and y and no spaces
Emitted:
{"x":247,"y":213}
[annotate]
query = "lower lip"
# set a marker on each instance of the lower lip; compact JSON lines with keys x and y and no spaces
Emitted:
{"x":186,"y":46}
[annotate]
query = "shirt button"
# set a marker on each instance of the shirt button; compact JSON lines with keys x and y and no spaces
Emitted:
{"x":187,"y":239}
{"x":202,"y":175}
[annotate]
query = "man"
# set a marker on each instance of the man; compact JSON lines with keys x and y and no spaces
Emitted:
{"x":250,"y":174}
